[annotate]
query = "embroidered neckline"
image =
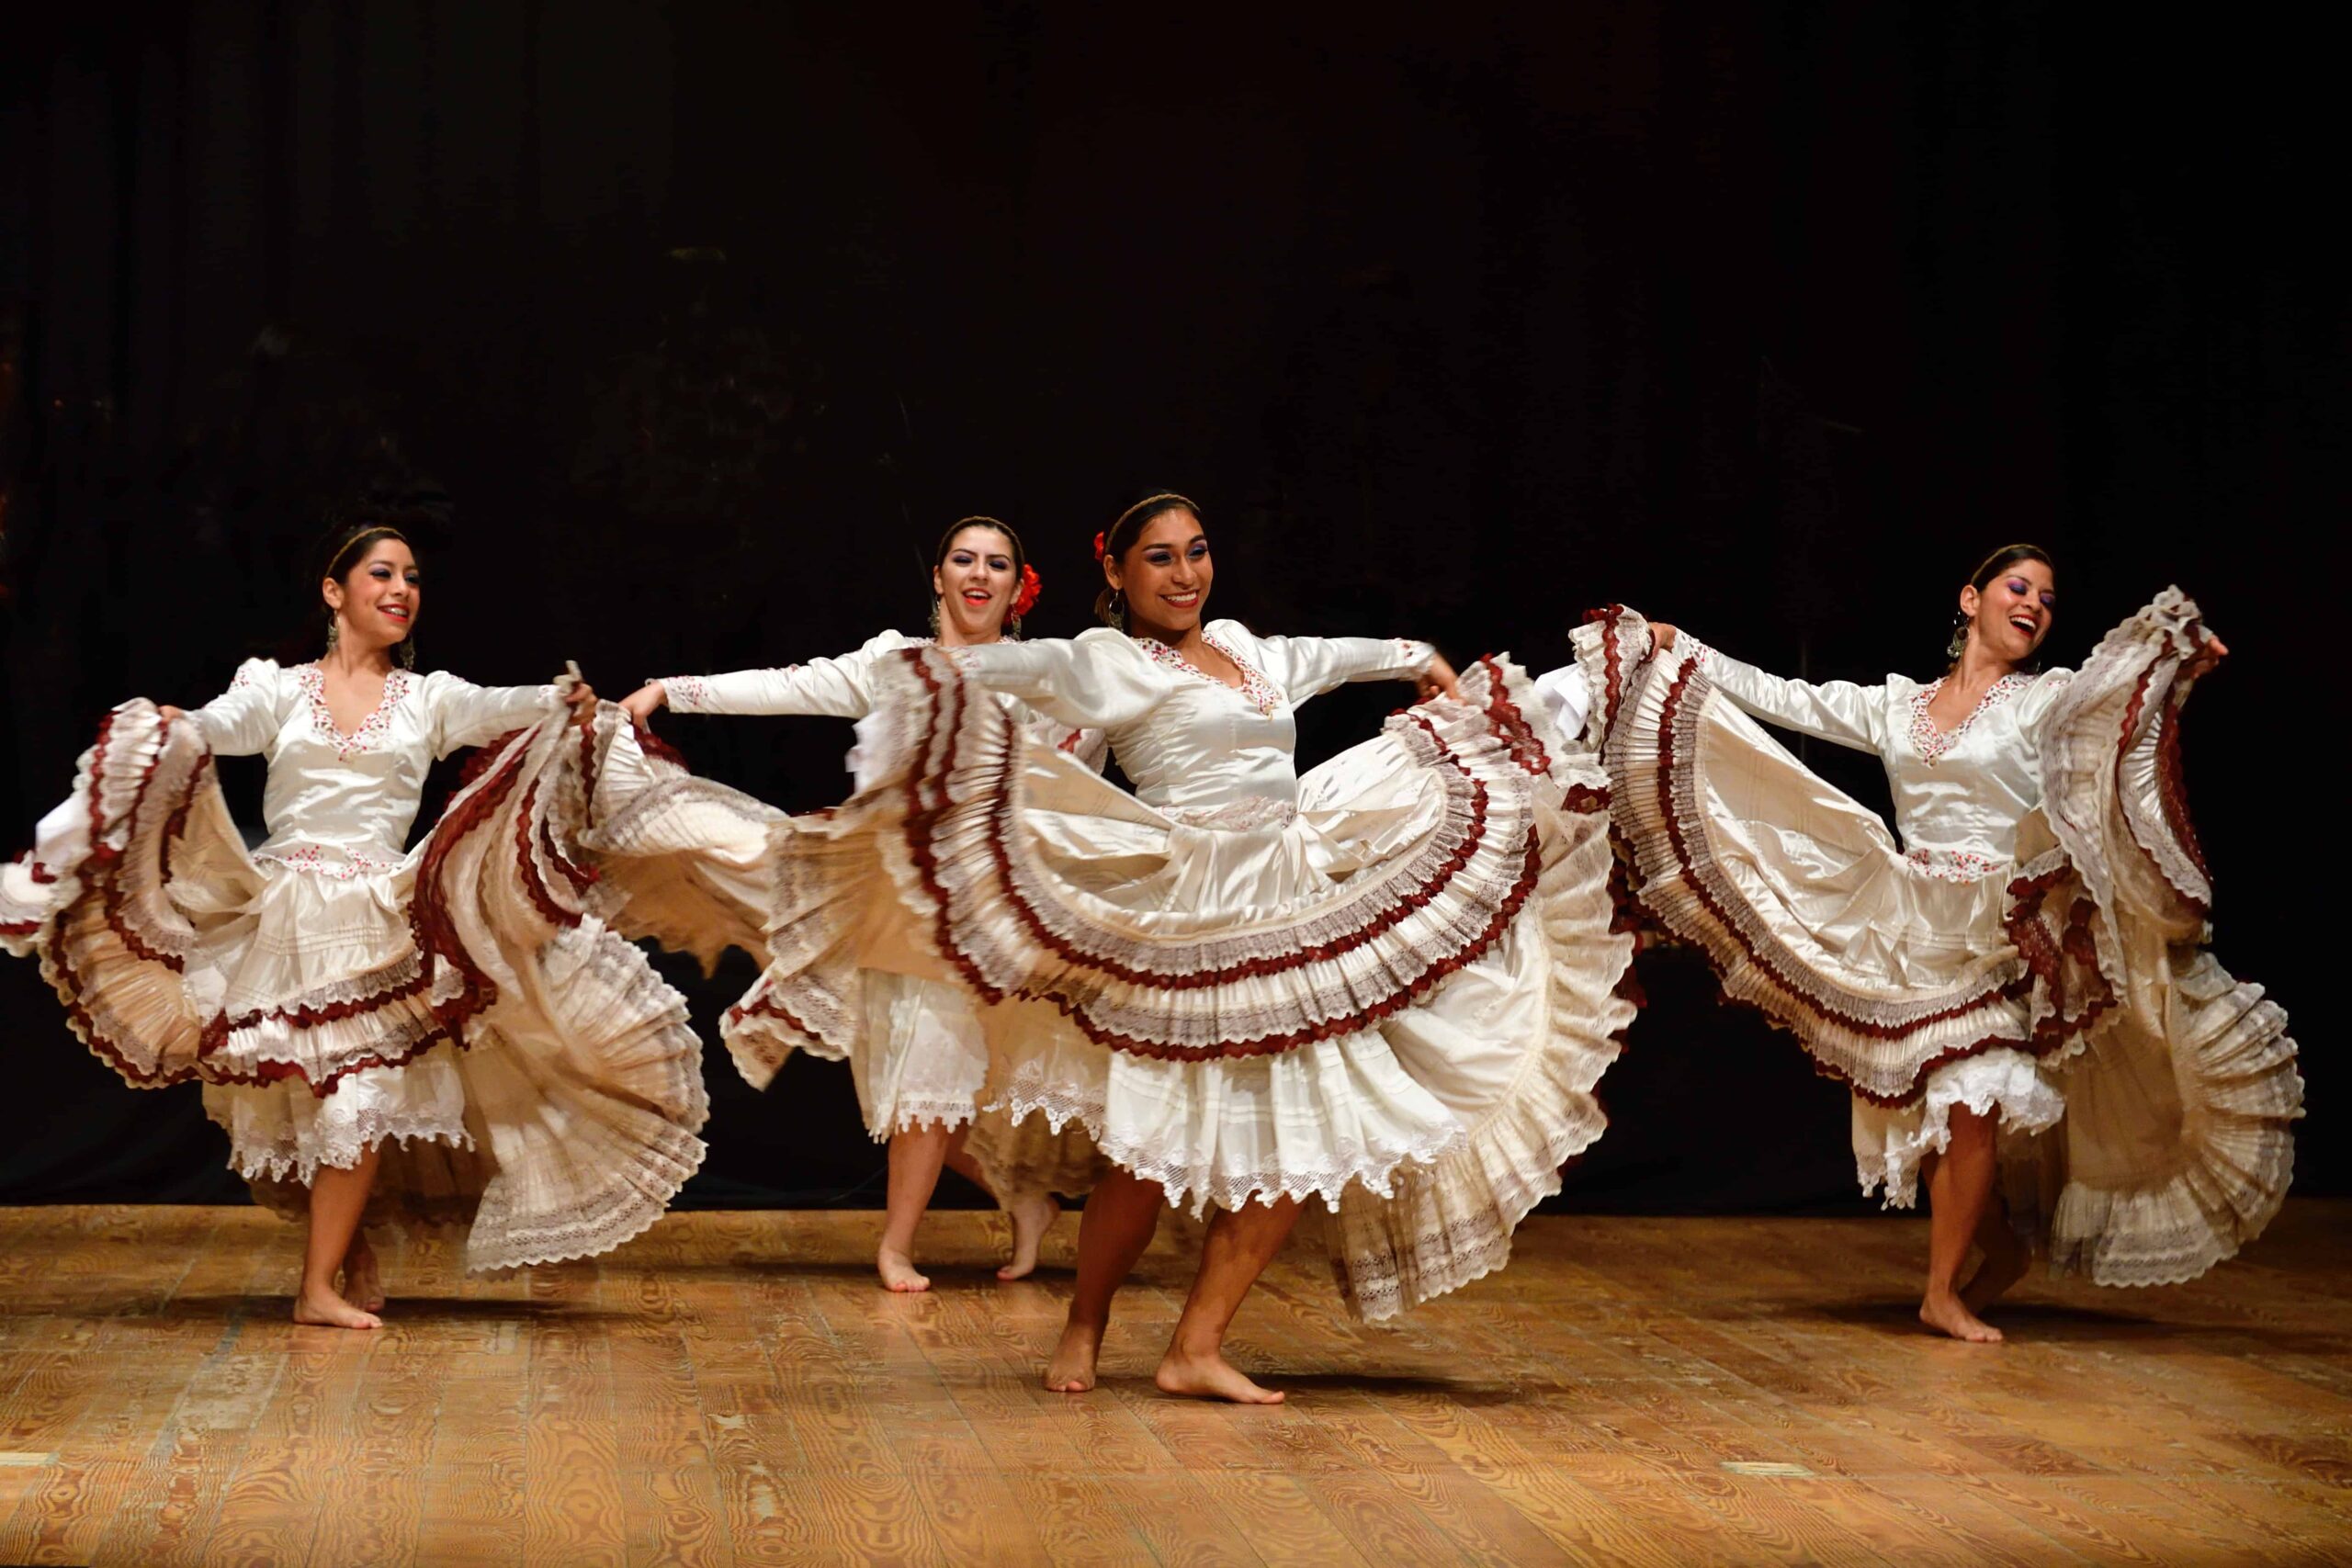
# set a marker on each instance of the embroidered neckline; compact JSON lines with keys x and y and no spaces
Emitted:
{"x":1930,"y":739}
{"x":314,"y":686}
{"x":1255,"y":689}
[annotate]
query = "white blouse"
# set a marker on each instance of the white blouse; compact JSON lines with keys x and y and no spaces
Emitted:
{"x":1185,"y":740}
{"x":343,"y":804}
{"x":837,"y":688}
{"x":1959,"y":794}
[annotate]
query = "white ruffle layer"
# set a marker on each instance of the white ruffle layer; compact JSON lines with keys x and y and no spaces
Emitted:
{"x":1429,"y":1131}
{"x":523,"y":1071}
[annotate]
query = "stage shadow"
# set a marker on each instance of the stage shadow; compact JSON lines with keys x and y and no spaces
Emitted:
{"x":402,"y":1310}
{"x":2026,"y":1321}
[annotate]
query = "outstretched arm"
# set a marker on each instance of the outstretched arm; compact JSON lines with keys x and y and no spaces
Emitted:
{"x":1836,"y":710}
{"x":243,"y":719}
{"x":836,"y":688}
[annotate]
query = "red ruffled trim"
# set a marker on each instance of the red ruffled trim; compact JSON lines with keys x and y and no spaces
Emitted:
{"x":1612,"y":684}
{"x":2013,"y":991}
{"x":430,"y":923}
{"x":921,"y":853}
{"x":653,"y":745}
{"x":1511,"y":725}
{"x":2055,"y":951}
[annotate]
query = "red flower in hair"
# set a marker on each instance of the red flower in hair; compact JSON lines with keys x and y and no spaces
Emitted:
{"x":1100,"y":546}
{"x":1026,"y":599}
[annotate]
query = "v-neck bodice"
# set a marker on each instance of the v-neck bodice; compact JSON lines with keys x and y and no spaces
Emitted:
{"x":1959,"y":794}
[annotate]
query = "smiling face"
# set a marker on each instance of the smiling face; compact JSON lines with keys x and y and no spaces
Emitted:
{"x":2010,"y":615}
{"x":975,"y":581}
{"x":1165,"y":575}
{"x":376,"y":602}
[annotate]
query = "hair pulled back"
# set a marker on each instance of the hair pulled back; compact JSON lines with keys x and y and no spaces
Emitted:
{"x":1023,"y":583}
{"x":1992,"y":566}
{"x":356,"y":531}
{"x":1115,"y":542}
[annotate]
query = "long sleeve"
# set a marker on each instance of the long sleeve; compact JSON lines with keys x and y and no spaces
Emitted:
{"x":244,"y":719}
{"x":1100,"y":680}
{"x":1307,"y":666}
{"x":836,"y":688}
{"x":1838,"y":711}
{"x":466,"y":715}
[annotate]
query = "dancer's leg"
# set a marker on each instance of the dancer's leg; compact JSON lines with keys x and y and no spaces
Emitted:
{"x":916,"y":1155}
{"x":1121,"y":1216}
{"x":338,"y":1198}
{"x":363,"y":1280}
{"x":1032,"y":1213}
{"x":1241,"y":1242}
{"x":1960,"y":1191}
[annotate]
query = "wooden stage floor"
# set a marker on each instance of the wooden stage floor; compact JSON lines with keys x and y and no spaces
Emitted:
{"x":733,"y":1389}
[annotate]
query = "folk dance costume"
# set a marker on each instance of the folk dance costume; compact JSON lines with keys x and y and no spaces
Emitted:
{"x":693,"y":863}
{"x":525,"y":1075}
{"x":2034,"y":948}
{"x":1391,"y":984}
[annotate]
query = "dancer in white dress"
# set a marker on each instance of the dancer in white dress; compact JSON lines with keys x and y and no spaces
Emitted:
{"x":440,"y":1036}
{"x":917,"y":1053}
{"x":1390,"y":984}
{"x":2020,"y":987}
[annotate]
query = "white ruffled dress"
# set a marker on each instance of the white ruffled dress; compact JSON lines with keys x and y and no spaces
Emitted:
{"x":2034,"y":948}
{"x":917,"y":1053}
{"x":526,"y":1076}
{"x":1391,"y":984}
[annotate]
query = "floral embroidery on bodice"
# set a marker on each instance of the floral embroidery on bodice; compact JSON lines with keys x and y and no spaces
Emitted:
{"x":312,"y":679}
{"x":1255,"y":689}
{"x":1930,"y":739}
{"x":1959,"y":794}
{"x":342,"y":805}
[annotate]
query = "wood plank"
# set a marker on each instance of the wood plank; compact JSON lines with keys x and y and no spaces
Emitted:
{"x":734,"y":1390}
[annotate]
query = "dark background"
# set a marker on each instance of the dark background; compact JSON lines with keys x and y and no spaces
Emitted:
{"x":1770,"y":318}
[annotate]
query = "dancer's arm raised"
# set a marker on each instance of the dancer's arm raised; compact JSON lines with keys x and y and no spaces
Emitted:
{"x":1838,"y":711}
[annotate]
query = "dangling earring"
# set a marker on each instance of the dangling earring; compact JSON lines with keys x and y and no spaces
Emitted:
{"x":334,"y":630}
{"x":408,"y":652}
{"x":935,"y":618}
{"x":1959,"y":644}
{"x":1013,"y":627}
{"x":1119,"y":609}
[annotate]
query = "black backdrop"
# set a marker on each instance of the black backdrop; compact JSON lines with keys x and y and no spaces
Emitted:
{"x":1769,"y":317}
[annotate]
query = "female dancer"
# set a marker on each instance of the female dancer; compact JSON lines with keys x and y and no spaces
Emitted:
{"x":2030,"y":959}
{"x":921,"y":1065}
{"x":441,"y":1036}
{"x":1390,"y":984}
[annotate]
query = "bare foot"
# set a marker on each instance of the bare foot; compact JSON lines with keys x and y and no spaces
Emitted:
{"x":1032,"y":1217}
{"x":1209,"y":1377}
{"x":897,"y":1271}
{"x":1943,"y":1313}
{"x":363,"y":1282}
{"x":2002,"y":1266}
{"x":1072,"y":1369}
{"x":325,"y":1309}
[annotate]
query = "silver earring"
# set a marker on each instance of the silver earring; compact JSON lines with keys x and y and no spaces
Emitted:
{"x":1959,"y":644}
{"x":934,"y":617}
{"x":334,"y":630}
{"x":408,"y":652}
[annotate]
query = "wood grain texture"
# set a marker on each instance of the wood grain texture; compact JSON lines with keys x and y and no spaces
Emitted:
{"x":733,"y":1389}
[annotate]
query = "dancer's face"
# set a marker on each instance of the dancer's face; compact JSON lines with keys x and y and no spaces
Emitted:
{"x":2013,"y":614}
{"x":378,"y":600}
{"x":1165,"y":575}
{"x":975,"y":585}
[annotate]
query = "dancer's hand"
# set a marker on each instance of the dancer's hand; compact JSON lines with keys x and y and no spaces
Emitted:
{"x":169,"y":714}
{"x":2212,"y":654}
{"x":583,"y":700}
{"x":639,"y":704}
{"x":1662,"y":635}
{"x":1438,"y":680}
